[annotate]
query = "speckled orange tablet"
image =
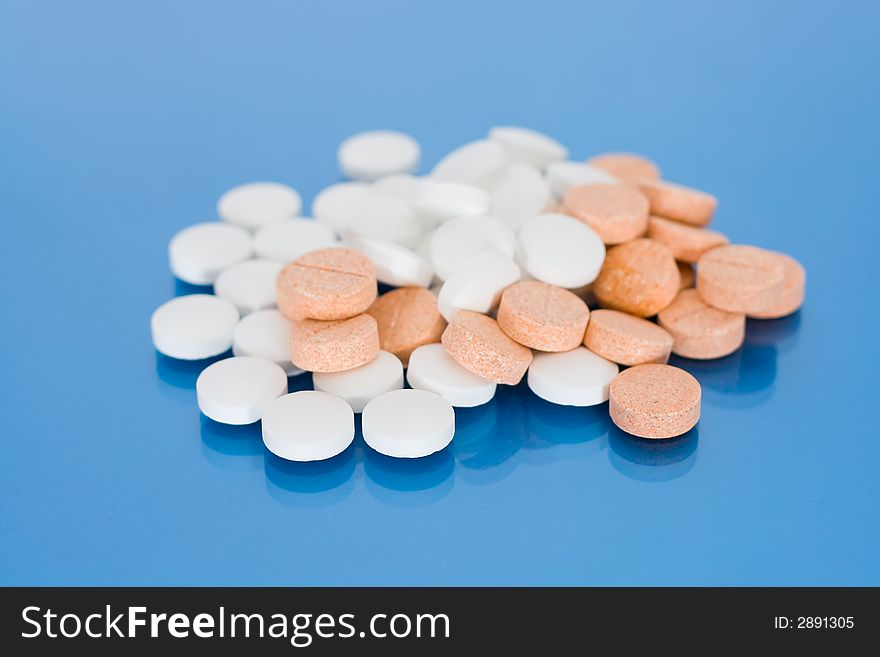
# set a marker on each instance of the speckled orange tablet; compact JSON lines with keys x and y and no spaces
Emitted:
{"x":793,"y":289}
{"x":699,"y":330}
{"x":686,"y":271}
{"x":626,"y":339}
{"x":408,"y":318}
{"x":740,"y":279}
{"x":639,"y":277}
{"x":628,"y":167}
{"x":333,"y":346}
{"x":476,"y":343}
{"x":687,"y":243}
{"x":654,"y":401}
{"x":542,"y":316}
{"x":333,"y":283}
{"x":617,"y":213}
{"x":678,"y":202}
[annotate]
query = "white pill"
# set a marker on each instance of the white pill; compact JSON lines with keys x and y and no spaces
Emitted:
{"x":372,"y":155}
{"x":265,"y":334}
{"x":408,"y":423}
{"x":521,"y":194}
{"x":441,"y":201}
{"x":237,"y":389}
{"x":560,"y":250}
{"x":480,"y":163}
{"x":477,"y":285}
{"x":251,"y":285}
{"x":571,"y":378}
{"x":364,"y":383}
{"x":289,"y":239}
{"x":193,"y":327}
{"x":432,"y":369}
{"x":335,"y":204}
{"x":384,"y":217}
{"x":307,"y":426}
{"x":457,"y":241}
{"x":199,"y":253}
{"x":259,"y":204}
{"x":562,"y":176}
{"x":395,"y":265}
{"x":529,"y":145}
{"x":402,"y":185}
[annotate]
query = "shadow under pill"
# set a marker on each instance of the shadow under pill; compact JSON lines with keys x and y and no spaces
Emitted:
{"x":409,"y":482}
{"x":300,"y":382}
{"x":583,"y":428}
{"x":231,"y":447}
{"x":782,"y":333}
{"x":183,"y":374}
{"x":481,"y":451}
{"x":649,"y":460}
{"x":310,"y":485}
{"x":182,"y":288}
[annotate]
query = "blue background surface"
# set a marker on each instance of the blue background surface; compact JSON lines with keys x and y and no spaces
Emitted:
{"x":121,"y":123}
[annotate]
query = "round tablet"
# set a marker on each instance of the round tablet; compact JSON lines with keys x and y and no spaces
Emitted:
{"x":740,"y":279}
{"x":639,"y":277}
{"x":440,"y":200}
{"x":480,"y":163}
{"x":333,"y":346}
{"x":455,"y":242}
{"x":560,"y":250}
{"x":654,"y":401}
{"x":627,"y":167}
{"x":476,"y":343}
{"x":687,"y":243}
{"x":395,"y":264}
{"x":477,"y":285}
{"x":384,"y":217}
{"x":542,"y":316}
{"x":291,"y":238}
{"x":335,"y":204}
{"x":359,"y":385}
{"x":194,"y":327}
{"x":250,"y":285}
{"x":407,"y":318}
{"x":307,"y":426}
{"x":678,"y":202}
{"x":529,"y":145}
{"x":699,"y":330}
{"x":618,"y":213}
{"x":562,"y":176}
{"x":236,"y":390}
{"x":265,"y":334}
{"x":571,"y":378}
{"x":372,"y":155}
{"x":521,"y":194}
{"x":404,"y":186}
{"x":431,"y":368}
{"x":627,"y":339}
{"x":408,"y":423}
{"x":199,"y":253}
{"x":259,"y":204}
{"x":793,"y":289}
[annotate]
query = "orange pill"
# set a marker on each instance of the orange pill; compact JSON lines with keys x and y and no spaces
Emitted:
{"x":793,"y":289}
{"x":543,"y":316}
{"x":688,"y":277}
{"x":687,"y":243}
{"x":334,"y":283}
{"x":678,"y":202}
{"x":335,"y":345}
{"x":639,"y":277}
{"x":654,"y":401}
{"x":407,"y":319}
{"x":476,"y":343}
{"x":618,"y":213}
{"x":628,"y":167}
{"x":740,"y":279}
{"x":700,"y":331}
{"x":626,"y":339}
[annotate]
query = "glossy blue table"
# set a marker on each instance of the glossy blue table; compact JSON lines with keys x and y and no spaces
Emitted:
{"x":121,"y":124}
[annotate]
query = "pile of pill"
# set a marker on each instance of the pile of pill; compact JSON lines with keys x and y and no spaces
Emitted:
{"x":507,"y":260}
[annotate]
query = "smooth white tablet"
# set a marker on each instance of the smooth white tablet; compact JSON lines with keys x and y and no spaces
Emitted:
{"x":335,"y":204}
{"x":571,"y":378}
{"x":403,"y":185}
{"x":560,"y":250}
{"x":432,"y":369}
{"x":199,"y":253}
{"x":372,"y":155}
{"x":395,"y":265}
{"x":480,"y":163}
{"x":408,"y":423}
{"x":562,"y":176}
{"x":289,"y":239}
{"x":265,"y":334}
{"x":384,"y":217}
{"x":237,"y":389}
{"x":522,"y":194}
{"x":307,"y":426}
{"x":251,"y":285}
{"x":360,"y":385}
{"x":455,"y":242}
{"x":441,"y":201}
{"x":477,"y":285}
{"x":259,"y":204}
{"x":528,"y":145}
{"x":194,"y":327}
